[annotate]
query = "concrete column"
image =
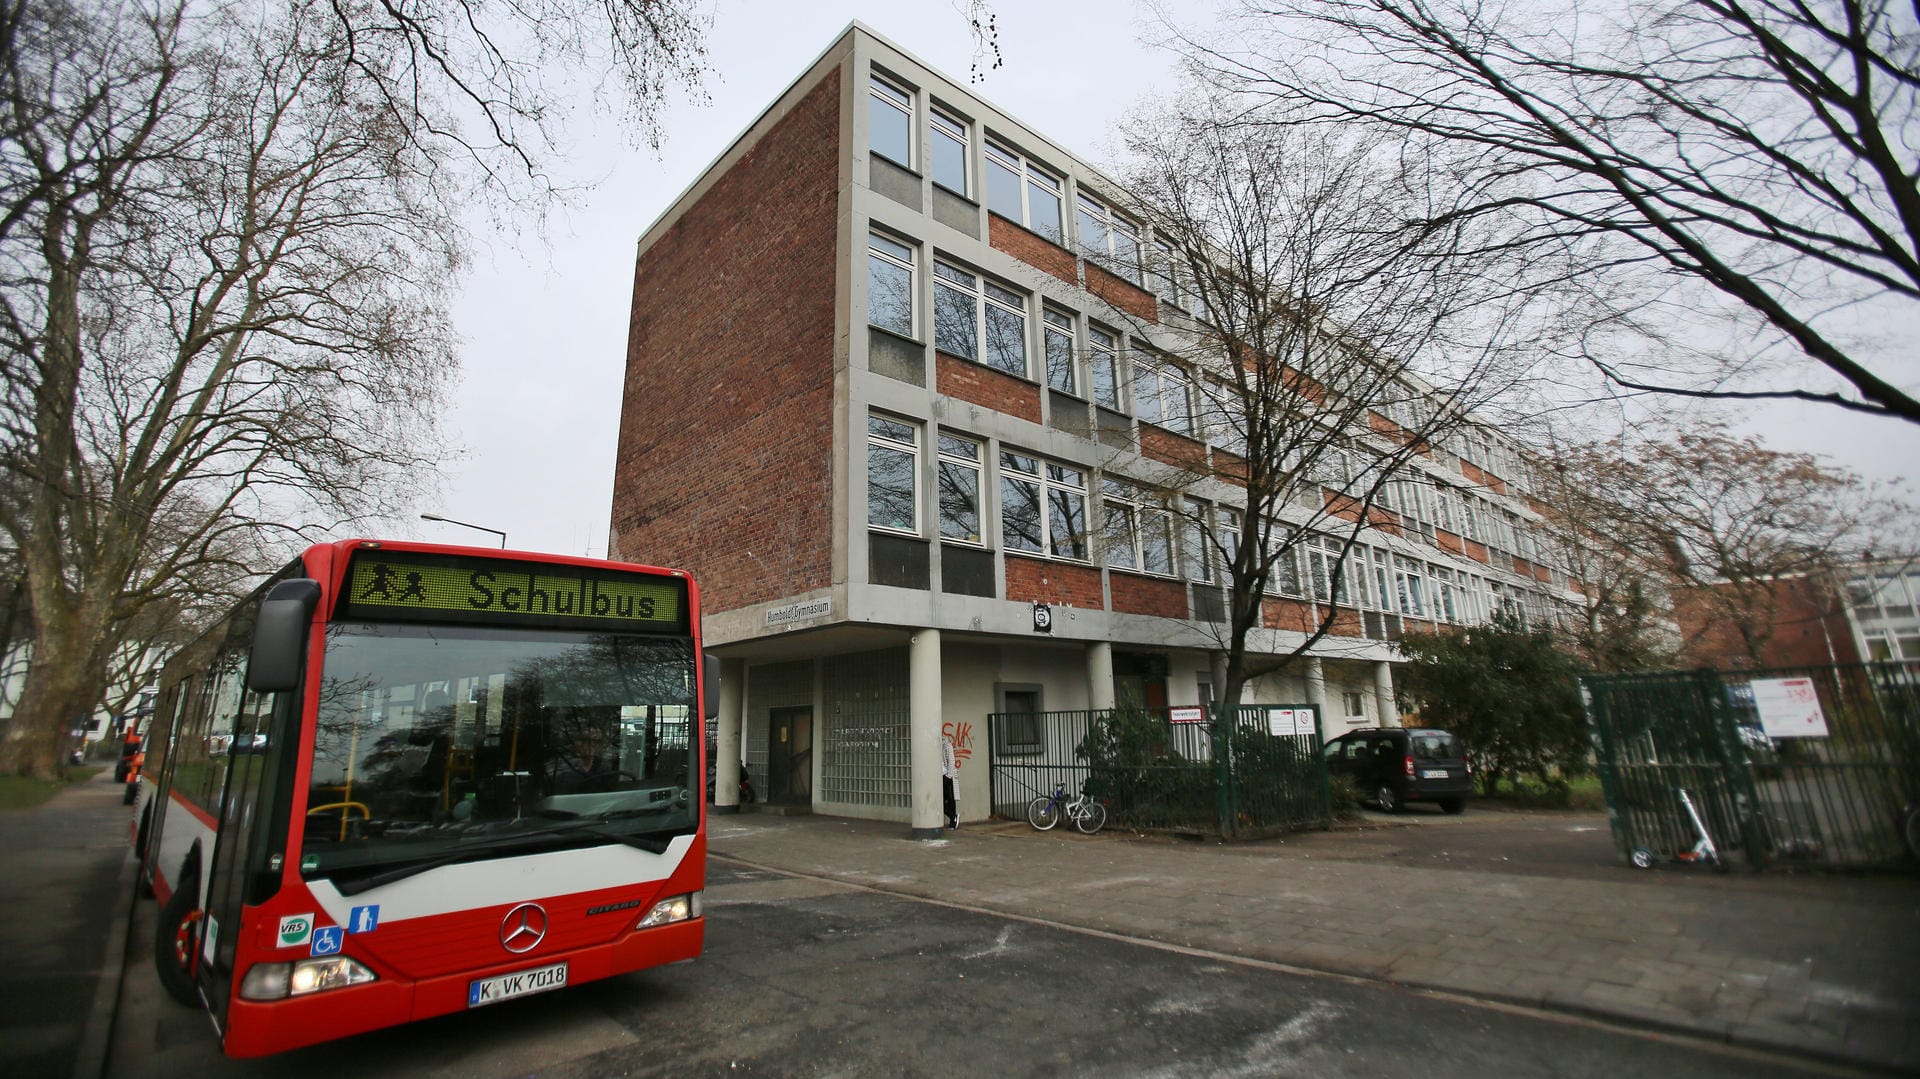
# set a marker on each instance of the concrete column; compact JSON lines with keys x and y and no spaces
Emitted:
{"x":923,"y":733}
{"x":1217,"y":670}
{"x":733,"y":714}
{"x":1383,"y":694}
{"x":1317,"y":696}
{"x":1100,"y":675}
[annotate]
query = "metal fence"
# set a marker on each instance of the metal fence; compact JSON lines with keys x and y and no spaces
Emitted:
{"x":1237,"y":775}
{"x":1807,"y":766}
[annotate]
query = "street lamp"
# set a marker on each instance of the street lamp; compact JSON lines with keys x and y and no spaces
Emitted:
{"x":463,"y":524}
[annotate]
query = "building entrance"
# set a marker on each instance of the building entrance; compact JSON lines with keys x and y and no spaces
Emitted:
{"x":790,"y":756}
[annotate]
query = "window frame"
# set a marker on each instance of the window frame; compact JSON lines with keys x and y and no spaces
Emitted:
{"x":910,"y":264}
{"x":876,"y":82}
{"x":1049,"y":480}
{"x":1059,"y":324}
{"x":911,"y":449}
{"x":1105,"y":397}
{"x":980,"y":291}
{"x":1025,"y":170}
{"x":1153,"y":381}
{"x":944,"y":459}
{"x":1112,"y":225}
{"x":1146,"y":517}
{"x":944,"y":123}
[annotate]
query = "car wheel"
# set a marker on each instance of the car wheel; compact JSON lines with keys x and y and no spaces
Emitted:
{"x":1453,"y":806}
{"x":1642,"y":858}
{"x":1385,"y":800}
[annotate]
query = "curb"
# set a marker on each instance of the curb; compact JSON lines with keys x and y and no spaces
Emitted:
{"x":90,"y":1057}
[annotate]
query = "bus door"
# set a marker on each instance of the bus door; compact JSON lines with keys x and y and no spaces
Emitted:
{"x":245,"y":837}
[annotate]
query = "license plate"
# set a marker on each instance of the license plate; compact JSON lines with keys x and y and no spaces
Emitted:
{"x":1433,"y":773}
{"x":518,"y":984}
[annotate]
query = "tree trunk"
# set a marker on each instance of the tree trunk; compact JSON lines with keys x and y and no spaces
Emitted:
{"x":63,"y":686}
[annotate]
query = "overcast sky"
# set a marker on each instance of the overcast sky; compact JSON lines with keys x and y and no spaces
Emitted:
{"x":544,"y":321}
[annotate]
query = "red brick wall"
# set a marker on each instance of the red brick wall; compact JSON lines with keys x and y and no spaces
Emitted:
{"x":1173,"y":448}
{"x":1133,"y":594}
{"x":1449,"y":542}
{"x":1033,"y":579}
{"x":708,"y":433}
{"x":1032,"y":248}
{"x":1290,"y":614}
{"x":1122,"y":293}
{"x":987,"y":387}
{"x":1478,"y":551}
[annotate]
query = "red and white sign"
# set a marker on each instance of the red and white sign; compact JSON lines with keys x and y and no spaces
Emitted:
{"x":1192,"y":713}
{"x":1789,"y":708}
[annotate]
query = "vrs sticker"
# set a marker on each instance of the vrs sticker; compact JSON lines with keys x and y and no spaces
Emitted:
{"x":295,"y":930}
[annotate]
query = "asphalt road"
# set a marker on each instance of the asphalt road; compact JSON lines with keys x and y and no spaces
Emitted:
{"x":809,"y":978}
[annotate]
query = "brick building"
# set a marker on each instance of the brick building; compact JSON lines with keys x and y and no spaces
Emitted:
{"x":881,"y":404}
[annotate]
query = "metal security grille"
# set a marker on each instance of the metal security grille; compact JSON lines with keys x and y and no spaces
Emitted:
{"x":1230,"y":775}
{"x":1828,"y":799}
{"x":864,"y":734}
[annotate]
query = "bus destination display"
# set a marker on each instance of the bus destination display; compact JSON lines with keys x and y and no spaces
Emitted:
{"x":403,"y":584}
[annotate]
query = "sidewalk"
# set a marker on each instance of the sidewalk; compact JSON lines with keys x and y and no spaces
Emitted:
{"x":66,"y":880}
{"x":1824,"y":967}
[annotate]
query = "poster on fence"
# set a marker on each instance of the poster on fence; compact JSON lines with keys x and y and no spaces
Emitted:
{"x":1191,"y":713}
{"x":1287,"y":722}
{"x":1789,"y":708}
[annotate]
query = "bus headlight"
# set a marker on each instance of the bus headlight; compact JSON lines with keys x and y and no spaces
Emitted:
{"x":278,"y":981}
{"x":677,"y":908}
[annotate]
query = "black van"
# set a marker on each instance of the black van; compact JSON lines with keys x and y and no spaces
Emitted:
{"x":1395,"y":765}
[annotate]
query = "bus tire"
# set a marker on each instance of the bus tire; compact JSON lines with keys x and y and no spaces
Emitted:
{"x":176,"y":943}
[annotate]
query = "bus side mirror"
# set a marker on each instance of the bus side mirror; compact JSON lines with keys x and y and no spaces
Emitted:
{"x":710,"y":684}
{"x":280,"y":635}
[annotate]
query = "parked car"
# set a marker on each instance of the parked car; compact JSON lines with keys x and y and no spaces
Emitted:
{"x":1392,"y":766}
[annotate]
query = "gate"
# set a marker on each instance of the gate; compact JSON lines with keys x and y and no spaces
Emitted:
{"x":1806,"y":766}
{"x":1240,"y":775}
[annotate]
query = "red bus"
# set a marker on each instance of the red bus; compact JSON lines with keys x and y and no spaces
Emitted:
{"x":403,"y":780}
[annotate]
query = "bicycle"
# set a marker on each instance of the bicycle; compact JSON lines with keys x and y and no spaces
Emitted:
{"x":1086,"y":814}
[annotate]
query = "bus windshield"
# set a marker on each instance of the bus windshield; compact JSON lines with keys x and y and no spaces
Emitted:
{"x":436,"y":744}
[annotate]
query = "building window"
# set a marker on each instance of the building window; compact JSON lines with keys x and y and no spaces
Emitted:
{"x":1356,"y":706}
{"x":1057,"y":329}
{"x":1043,"y":507}
{"x":948,"y":153}
{"x":889,"y":284}
{"x":959,"y":489}
{"x":893,"y":451}
{"x":1166,"y":273}
{"x":1447,"y":605}
{"x":1163,"y":396}
{"x":1103,"y":358}
{"x":963,"y":305}
{"x":1109,"y":239}
{"x":1138,"y":531}
{"x":1410,"y":588}
{"x":1323,"y":563}
{"x":890,"y":120}
{"x":1021,"y":191}
{"x":1195,"y":559}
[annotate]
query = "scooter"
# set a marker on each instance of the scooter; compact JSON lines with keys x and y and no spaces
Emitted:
{"x":746,"y":787}
{"x":1703,"y":849}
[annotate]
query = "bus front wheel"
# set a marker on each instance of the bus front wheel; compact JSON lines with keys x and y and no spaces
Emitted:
{"x":176,"y":943}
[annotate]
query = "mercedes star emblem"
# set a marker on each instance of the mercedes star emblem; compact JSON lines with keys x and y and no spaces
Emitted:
{"x":524,"y":927}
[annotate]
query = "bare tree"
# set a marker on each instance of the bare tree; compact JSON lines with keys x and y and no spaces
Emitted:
{"x":1730,"y":522}
{"x":1750,"y":159}
{"x":1335,"y":337}
{"x":226,"y":264}
{"x":1624,"y":618}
